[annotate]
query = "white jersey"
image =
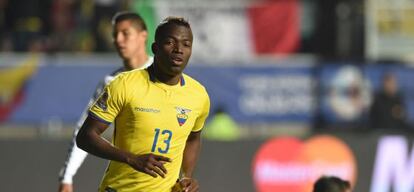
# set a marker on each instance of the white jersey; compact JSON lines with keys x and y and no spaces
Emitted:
{"x":76,"y":156}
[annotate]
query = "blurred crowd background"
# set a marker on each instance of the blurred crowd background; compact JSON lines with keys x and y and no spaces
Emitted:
{"x":300,"y":68}
{"x":329,"y":29}
{"x":57,"y":25}
{"x":329,"y":56}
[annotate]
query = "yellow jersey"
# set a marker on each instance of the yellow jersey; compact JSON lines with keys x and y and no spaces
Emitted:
{"x":149,"y":117}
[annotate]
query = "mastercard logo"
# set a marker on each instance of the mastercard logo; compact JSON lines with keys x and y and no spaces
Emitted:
{"x":289,"y":164}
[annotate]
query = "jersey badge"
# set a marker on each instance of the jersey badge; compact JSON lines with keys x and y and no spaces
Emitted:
{"x":182,"y":115}
{"x":102,"y":101}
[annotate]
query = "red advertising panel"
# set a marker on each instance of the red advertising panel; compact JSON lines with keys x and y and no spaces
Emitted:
{"x":289,"y":164}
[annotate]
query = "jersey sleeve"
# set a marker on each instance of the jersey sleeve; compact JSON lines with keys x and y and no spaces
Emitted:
{"x":110,"y":102}
{"x":203,"y":116}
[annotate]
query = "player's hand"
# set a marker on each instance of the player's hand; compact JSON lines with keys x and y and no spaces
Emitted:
{"x":63,"y":187}
{"x":150,"y":164}
{"x":186,"y":184}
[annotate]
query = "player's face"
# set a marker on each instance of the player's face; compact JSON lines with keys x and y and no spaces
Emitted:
{"x":128,"y":39}
{"x":174,"y":49}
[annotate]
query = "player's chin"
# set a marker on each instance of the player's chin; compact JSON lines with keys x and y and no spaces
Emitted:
{"x":176,"y":69}
{"x":124,"y":54}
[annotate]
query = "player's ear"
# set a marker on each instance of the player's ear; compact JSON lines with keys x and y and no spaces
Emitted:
{"x":144,"y":34}
{"x":154,"y":48}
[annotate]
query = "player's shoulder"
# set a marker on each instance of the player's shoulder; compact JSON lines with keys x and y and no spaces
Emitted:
{"x":127,"y":77}
{"x":111,"y":76}
{"x":117,"y":71}
{"x":194,"y":84}
{"x":132,"y":74}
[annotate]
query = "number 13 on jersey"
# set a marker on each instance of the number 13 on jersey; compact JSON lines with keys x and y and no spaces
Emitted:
{"x":161,"y":147}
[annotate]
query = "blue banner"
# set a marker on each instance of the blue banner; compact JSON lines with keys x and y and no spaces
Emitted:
{"x":347,"y":92}
{"x":46,"y":89}
{"x":58,"y":93}
{"x":260,"y":94}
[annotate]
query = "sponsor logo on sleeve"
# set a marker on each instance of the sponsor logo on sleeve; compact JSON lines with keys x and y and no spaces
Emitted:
{"x":103,"y":101}
{"x":109,"y":189}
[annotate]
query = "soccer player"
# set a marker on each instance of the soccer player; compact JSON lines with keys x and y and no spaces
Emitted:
{"x":130,"y":36}
{"x":158,"y":115}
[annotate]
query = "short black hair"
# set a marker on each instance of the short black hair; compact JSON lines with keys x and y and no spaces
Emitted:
{"x":135,"y":18}
{"x":172,"y":20}
{"x":331,"y":184}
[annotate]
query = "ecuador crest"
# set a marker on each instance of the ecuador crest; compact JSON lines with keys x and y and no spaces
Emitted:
{"x":182,"y":115}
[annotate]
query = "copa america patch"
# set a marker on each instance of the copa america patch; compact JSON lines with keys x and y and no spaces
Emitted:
{"x":103,"y":101}
{"x":182,"y":115}
{"x":108,"y":189}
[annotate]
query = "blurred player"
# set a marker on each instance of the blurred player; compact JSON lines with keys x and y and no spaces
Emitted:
{"x":388,"y":110}
{"x":130,"y":36}
{"x":158,"y":114}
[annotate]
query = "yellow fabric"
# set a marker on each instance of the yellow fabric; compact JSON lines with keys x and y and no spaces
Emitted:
{"x":146,"y":117}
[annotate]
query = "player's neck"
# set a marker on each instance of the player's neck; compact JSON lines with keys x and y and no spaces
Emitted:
{"x":136,"y":62}
{"x":162,"y":77}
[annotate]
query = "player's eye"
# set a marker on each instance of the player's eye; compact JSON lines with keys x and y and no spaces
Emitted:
{"x":169,"y":42}
{"x":187,"y":43}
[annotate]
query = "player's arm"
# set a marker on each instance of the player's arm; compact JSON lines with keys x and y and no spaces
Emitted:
{"x":89,"y":139}
{"x":191,"y":151}
{"x":75,"y":155}
{"x":73,"y":161}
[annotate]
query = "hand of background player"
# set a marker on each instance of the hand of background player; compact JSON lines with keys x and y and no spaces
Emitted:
{"x":186,"y":184}
{"x":63,"y":187}
{"x":149,"y":163}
